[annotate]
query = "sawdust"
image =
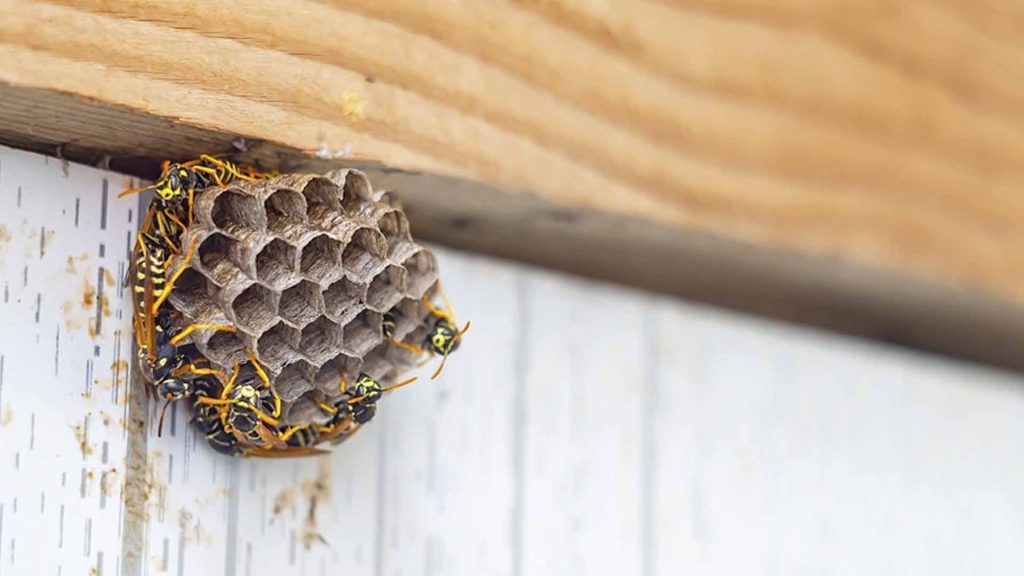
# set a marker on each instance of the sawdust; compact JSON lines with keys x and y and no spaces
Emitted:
{"x":72,"y":320}
{"x":105,"y":306}
{"x":5,"y":237}
{"x":90,"y":477}
{"x":88,"y":294}
{"x":8,"y":416}
{"x":318,"y":491}
{"x":83,"y":441}
{"x":284,"y":501}
{"x":108,"y":481}
{"x":191,"y":533}
{"x":140,"y":484}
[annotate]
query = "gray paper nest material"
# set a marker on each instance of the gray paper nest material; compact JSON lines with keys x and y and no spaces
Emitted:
{"x":305,"y":267}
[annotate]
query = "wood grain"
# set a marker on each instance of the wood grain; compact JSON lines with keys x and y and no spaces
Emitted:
{"x":884,"y":136}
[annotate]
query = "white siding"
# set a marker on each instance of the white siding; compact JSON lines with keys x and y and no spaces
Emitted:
{"x":581,"y":429}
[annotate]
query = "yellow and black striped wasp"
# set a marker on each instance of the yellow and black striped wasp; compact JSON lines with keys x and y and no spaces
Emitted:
{"x":151,"y":318}
{"x":356,"y":406}
{"x":247,"y":410}
{"x":443,"y":337}
{"x":208,"y":417}
{"x":171,"y":211}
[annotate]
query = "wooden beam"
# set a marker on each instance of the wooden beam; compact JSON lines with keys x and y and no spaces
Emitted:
{"x":822,"y":136}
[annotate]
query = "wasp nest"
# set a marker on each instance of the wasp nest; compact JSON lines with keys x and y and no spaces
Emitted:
{"x":305,"y":267}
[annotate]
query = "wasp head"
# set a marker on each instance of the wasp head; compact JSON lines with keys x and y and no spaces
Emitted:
{"x":368,"y":388}
{"x":443,"y":338}
{"x":175,"y":185}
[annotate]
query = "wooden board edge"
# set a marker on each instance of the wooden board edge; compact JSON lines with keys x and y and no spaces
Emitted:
{"x":848,"y":297}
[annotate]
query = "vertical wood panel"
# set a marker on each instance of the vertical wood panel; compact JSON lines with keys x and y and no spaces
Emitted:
{"x":814,"y":454}
{"x":448,"y":474}
{"x":583,"y":429}
{"x":64,"y":353}
{"x":580,"y":430}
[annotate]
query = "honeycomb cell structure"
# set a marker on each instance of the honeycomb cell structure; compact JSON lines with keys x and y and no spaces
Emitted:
{"x":305,"y":267}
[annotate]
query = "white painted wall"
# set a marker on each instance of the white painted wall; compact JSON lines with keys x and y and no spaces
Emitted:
{"x":581,"y":429}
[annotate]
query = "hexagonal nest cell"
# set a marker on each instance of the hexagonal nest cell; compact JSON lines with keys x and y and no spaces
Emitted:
{"x":305,"y":267}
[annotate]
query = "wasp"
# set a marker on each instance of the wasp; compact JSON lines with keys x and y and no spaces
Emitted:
{"x":208,"y":418}
{"x":443,"y":337}
{"x":151,"y":318}
{"x":171,"y":212}
{"x":247,"y":409}
{"x":358,"y":404}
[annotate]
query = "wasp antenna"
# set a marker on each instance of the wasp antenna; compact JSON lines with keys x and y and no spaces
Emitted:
{"x":441,"y":365}
{"x":444,"y":358}
{"x":399,"y":385}
{"x":160,"y":425}
{"x":131,"y":191}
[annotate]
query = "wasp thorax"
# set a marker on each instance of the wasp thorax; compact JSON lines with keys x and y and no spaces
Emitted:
{"x":368,"y":388}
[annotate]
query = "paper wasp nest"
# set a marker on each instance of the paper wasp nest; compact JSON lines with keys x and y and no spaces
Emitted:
{"x":304,"y":267}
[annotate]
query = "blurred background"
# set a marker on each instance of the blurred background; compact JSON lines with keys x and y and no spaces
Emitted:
{"x":744,"y":278}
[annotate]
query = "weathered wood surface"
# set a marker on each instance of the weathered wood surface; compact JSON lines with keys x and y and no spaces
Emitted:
{"x":581,"y":429}
{"x":832,"y":139}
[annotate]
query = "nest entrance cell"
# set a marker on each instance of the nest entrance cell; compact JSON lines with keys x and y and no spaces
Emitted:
{"x":222,"y":258}
{"x":225,"y":348}
{"x":294,"y":380}
{"x":277,"y":345}
{"x":363,"y":333}
{"x":357,"y":196}
{"x":300,"y":304}
{"x":191,"y":295}
{"x":386,"y":289}
{"x":305,"y":410}
{"x":364,"y":255}
{"x":321,"y":340}
{"x":286,"y":214}
{"x":323,"y":203}
{"x":275,"y":264}
{"x":395,"y":228}
{"x":343,"y":300}
{"x":328,"y":377}
{"x":321,"y":260}
{"x":237,"y":214}
{"x":255,"y":309}
{"x":422,"y":270}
